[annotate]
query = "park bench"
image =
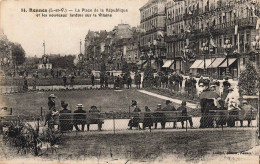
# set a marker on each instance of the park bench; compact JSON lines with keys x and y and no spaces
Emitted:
{"x":91,"y":118}
{"x":231,"y":116}
{"x":159,"y":117}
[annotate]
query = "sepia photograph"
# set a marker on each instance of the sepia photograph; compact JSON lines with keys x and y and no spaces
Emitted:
{"x":129,"y":81}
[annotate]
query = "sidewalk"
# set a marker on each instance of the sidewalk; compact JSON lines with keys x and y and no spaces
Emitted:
{"x":177,"y":101}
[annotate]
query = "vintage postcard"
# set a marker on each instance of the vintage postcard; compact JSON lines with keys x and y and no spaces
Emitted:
{"x":129,"y":81}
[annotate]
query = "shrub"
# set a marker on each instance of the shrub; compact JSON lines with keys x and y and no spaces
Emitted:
{"x":248,"y":80}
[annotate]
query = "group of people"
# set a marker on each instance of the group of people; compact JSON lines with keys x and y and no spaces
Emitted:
{"x":123,"y":80}
{"x":159,"y":116}
{"x":65,"y":80}
{"x":216,"y":104}
{"x":67,"y":120}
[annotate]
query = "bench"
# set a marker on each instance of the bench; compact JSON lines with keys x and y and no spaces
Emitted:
{"x":158,"y":117}
{"x":88,"y":118}
{"x":231,"y":116}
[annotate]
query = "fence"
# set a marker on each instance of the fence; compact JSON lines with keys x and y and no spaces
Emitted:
{"x":123,"y":121}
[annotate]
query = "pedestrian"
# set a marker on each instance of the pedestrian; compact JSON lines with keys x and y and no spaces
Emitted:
{"x":129,"y":82}
{"x":92,"y":79}
{"x":139,"y":80}
{"x":52,"y":73}
{"x":201,"y":80}
{"x":101,"y":80}
{"x":136,"y":80}
{"x":106,"y":81}
{"x":65,"y":119}
{"x":181,"y":79}
{"x":52,"y":113}
{"x":64,"y":78}
{"x":184,"y":113}
{"x":226,"y":86}
{"x":25,"y":84}
{"x":72,"y":80}
{"x":79,"y":117}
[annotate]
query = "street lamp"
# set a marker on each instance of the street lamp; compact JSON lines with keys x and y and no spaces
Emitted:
{"x":204,"y":50}
{"x":44,"y":62}
{"x":256,"y":45}
{"x":227,"y":47}
{"x":80,"y":56}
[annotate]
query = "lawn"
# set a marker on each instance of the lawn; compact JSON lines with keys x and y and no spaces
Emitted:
{"x":107,"y":100}
{"x":191,"y":146}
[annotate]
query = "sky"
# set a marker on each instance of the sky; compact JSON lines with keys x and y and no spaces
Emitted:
{"x":61,"y":35}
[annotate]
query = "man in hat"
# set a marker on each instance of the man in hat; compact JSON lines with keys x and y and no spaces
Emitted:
{"x":79,"y":117}
{"x":169,"y":107}
{"x":65,"y":118}
{"x":135,"y":121}
{"x":184,"y":112}
{"x":51,"y":102}
{"x":49,"y":118}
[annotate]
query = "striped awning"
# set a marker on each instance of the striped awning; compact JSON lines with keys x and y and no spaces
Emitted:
{"x":216,"y":63}
{"x":167,"y":64}
{"x":196,"y":64}
{"x":230,"y":61}
{"x":207,"y":61}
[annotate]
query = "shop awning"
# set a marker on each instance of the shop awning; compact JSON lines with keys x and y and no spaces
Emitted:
{"x":167,"y":64}
{"x":230,"y":61}
{"x":216,"y":63}
{"x":208,"y":62}
{"x":196,"y":64}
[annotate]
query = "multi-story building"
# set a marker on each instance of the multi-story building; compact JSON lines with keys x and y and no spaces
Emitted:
{"x":175,"y":40}
{"x":153,"y":22}
{"x":215,"y":35}
{"x":109,"y":47}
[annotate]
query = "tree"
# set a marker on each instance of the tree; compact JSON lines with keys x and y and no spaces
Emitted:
{"x":248,"y":80}
{"x":63,"y":62}
{"x":18,"y":53}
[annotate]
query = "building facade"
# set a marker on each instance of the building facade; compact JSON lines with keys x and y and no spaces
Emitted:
{"x":153,"y":18}
{"x":213,"y":37}
{"x":112,"y":48}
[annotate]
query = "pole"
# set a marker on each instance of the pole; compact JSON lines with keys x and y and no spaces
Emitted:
{"x":258,"y":97}
{"x":204,"y":64}
{"x":45,"y":70}
{"x":41,"y":112}
{"x":114,"y":124}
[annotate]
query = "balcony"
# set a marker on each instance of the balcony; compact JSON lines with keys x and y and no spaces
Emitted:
{"x":244,"y":22}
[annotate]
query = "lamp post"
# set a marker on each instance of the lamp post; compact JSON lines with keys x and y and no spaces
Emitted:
{"x":204,"y":50}
{"x":227,"y":48}
{"x":185,"y":59}
{"x":44,"y":62}
{"x":80,"y":56}
{"x":256,"y":45}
